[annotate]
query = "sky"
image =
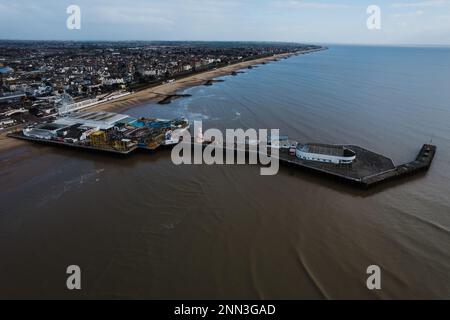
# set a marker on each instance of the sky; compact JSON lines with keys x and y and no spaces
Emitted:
{"x":403,"y":22}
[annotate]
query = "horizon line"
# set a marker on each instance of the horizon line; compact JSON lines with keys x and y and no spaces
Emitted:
{"x":240,"y":41}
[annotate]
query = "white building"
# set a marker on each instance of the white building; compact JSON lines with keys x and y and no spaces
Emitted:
{"x":100,"y":119}
{"x":325,"y":153}
{"x":86,"y":122}
{"x":46,"y":131}
{"x":110,"y":81}
{"x":7,"y":122}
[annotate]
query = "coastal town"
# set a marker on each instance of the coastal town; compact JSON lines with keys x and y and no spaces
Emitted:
{"x":51,"y":93}
{"x":40,"y":80}
{"x":225,"y":158}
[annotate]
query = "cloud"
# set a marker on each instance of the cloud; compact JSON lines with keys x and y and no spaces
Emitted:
{"x":413,"y":14}
{"x":278,"y":20}
{"x":131,"y":16}
{"x":299,"y":4}
{"x":427,"y":3}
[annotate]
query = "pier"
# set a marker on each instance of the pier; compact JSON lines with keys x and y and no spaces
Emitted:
{"x":367,"y":170}
{"x":421,"y":163}
{"x":106,"y":149}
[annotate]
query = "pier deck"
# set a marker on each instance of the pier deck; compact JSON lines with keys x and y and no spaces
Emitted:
{"x":71,"y":145}
{"x":367,"y":163}
{"x":421,"y":163}
{"x":368,"y":169}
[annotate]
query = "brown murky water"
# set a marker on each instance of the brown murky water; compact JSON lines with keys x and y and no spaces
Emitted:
{"x":141,"y":227}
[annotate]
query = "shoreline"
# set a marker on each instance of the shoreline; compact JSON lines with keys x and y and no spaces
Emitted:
{"x":155,"y":93}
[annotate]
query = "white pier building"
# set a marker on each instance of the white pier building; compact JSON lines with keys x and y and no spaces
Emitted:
{"x":325,"y":153}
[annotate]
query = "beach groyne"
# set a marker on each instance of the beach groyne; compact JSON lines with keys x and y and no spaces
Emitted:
{"x":169,"y":98}
{"x":212,"y":81}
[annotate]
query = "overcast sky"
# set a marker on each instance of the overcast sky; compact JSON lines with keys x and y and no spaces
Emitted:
{"x":424,"y":22}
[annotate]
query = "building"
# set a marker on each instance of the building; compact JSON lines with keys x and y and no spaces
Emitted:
{"x":6,"y":70}
{"x":7,"y":122}
{"x":111,"y":81}
{"x":100,"y":119}
{"x":325,"y":153}
{"x":11,"y":98}
{"x":77,"y":126}
{"x":45,"y":131}
{"x":75,"y":133}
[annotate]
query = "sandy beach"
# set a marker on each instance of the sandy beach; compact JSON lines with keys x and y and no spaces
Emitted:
{"x":155,"y":93}
{"x":159,"y":92}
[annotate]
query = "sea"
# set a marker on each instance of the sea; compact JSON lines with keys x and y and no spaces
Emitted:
{"x":141,"y":227}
